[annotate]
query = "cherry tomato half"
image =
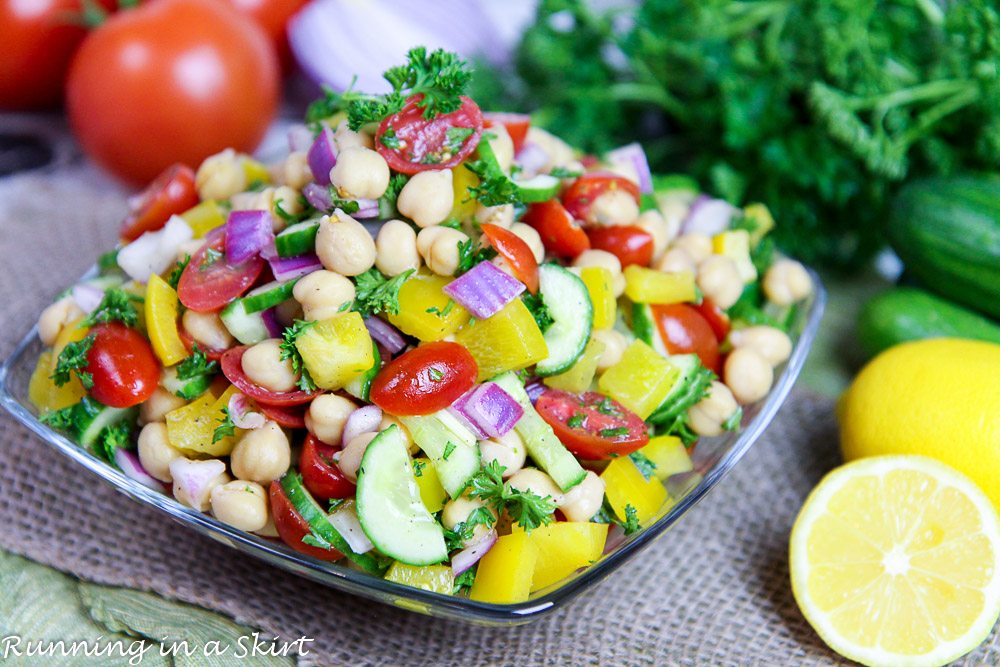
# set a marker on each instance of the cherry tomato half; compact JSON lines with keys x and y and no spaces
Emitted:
{"x":591,"y":425}
{"x":583,"y":191}
{"x":232,"y":368}
{"x":421,"y":144}
{"x":716,"y":318}
{"x":560,"y":233}
{"x":516,"y":253}
{"x":424,"y":380}
{"x":172,"y":193}
{"x":631,"y":245}
{"x":321,"y":476}
{"x":292,"y":527}
{"x":123,"y":365}
{"x":683,"y":330}
{"x":516,"y":124}
{"x":286,"y":416}
{"x":210,"y":282}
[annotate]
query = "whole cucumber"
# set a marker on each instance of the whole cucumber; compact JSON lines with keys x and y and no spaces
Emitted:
{"x":907,"y":313}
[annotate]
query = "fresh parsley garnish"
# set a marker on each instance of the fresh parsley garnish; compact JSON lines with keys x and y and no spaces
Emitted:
{"x":495,"y":188}
{"x":455,"y":137}
{"x":607,"y":407}
{"x":113,"y":437}
{"x":644,"y":464}
{"x":631,"y":524}
{"x":418,"y":468}
{"x":525,"y":508}
{"x":226,"y":427}
{"x":211,"y":257}
{"x":538,"y":309}
{"x":464,"y":531}
{"x":73,"y":359}
{"x":292,"y":218}
{"x":116,"y":305}
{"x":616,"y":432}
{"x":471,"y":253}
{"x":436,"y":375}
{"x":375,"y":293}
{"x":390,"y":140}
{"x":563,"y":172}
{"x":174,"y":278}
{"x":108,"y":262}
{"x":465,"y":580}
{"x":449,"y":449}
{"x":348,"y":206}
{"x":442,"y":312}
{"x":290,"y":351}
{"x":733,"y":422}
{"x":577,"y":420}
{"x":387,"y":202}
{"x":439,"y":76}
{"x":196,"y":365}
{"x":63,"y":419}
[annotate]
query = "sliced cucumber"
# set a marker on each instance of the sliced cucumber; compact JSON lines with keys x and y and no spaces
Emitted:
{"x":361,"y":386}
{"x":389,"y":506}
{"x":644,"y":327}
{"x":248,"y":328}
{"x":189,"y":389}
{"x":692,"y":383}
{"x":297,"y":239}
{"x":433,"y":433}
{"x":544,"y":448}
{"x":92,"y":417}
{"x":572,"y":313}
{"x":268,"y":296}
{"x":537,"y":189}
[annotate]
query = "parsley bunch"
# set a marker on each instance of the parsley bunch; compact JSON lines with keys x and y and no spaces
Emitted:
{"x":117,"y":305}
{"x":526,"y":508}
{"x":375,"y":293}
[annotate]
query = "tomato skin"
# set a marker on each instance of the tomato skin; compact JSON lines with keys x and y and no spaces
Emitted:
{"x":125,"y":369}
{"x":170,"y":193}
{"x":292,"y":527}
{"x":288,"y":417}
{"x":585,"y":440}
{"x":232,"y":368}
{"x":716,"y":318}
{"x":631,"y":245}
{"x":425,"y":379}
{"x":683,"y":330}
{"x":272,"y":16}
{"x":583,"y":191}
{"x":560,"y":232}
{"x":193,"y":92}
{"x":208,"y":284}
{"x":423,"y":138}
{"x":516,"y":124}
{"x":516,"y":253}
{"x":321,"y":476}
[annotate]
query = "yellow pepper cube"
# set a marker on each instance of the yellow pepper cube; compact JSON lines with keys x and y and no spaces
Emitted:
{"x":255,"y":171}
{"x":336,"y":350}
{"x":426,"y":312}
{"x":644,"y":285}
{"x":72,"y":392}
{"x":40,"y":385}
{"x":191,"y":428}
{"x":580,"y":375}
{"x":563,"y":548}
{"x":434,"y":578}
{"x":641,"y":380}
{"x":625,"y":485}
{"x":161,"y":321}
{"x":204,"y":217}
{"x":507,"y":341}
{"x":505,"y":572}
{"x":461,"y":180}
{"x":598,"y":281}
{"x":668,"y":454}
{"x":735,"y":245}
{"x":764,"y":221}
{"x":431,"y":491}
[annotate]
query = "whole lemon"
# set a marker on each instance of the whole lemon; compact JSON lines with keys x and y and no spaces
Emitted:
{"x":939,"y":398}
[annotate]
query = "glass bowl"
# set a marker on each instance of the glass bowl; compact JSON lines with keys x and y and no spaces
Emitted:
{"x":712,"y":459}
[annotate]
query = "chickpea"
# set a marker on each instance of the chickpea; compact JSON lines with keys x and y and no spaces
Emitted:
{"x":584,"y":500}
{"x":156,"y":407}
{"x":529,"y":235}
{"x":344,"y":137}
{"x":207,"y":330}
{"x":427,"y":198}
{"x":56,"y":317}
{"x":155,"y":451}
{"x":442,"y":257}
{"x":459,"y":510}
{"x":614,"y":342}
{"x":322,"y":294}
{"x":396,"y":248}
{"x":508,"y":451}
{"x":537,"y":482}
{"x":352,"y":454}
{"x":674,"y":211}
{"x":182,"y":467}
{"x":501,"y":216}
{"x":614,"y":207}
{"x":288,"y":311}
{"x":240,"y":504}
{"x":327,"y":415}
{"x":295,"y":172}
{"x":263,"y":364}
{"x":719,"y":279}
{"x":560,"y":153}
{"x":608,"y":261}
{"x":360,"y":173}
{"x":707,"y":416}
{"x":503,"y":147}
{"x":769,"y":342}
{"x":389,"y":420}
{"x":748,"y":375}
{"x":246,"y":201}
{"x":344,"y":245}
{"x":786,"y":282}
{"x":676,"y":260}
{"x":656,"y":226}
{"x":221,"y":176}
{"x":262,"y":455}
{"x":426,"y":238}
{"x":699,"y":246}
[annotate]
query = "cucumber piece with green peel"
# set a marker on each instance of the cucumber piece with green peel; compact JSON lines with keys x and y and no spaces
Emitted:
{"x":538,"y":189}
{"x":297,"y":239}
{"x":268,"y":296}
{"x":360,"y":387}
{"x":456,"y":464}
{"x":568,"y":301}
{"x":188,"y":389}
{"x":247,"y":328}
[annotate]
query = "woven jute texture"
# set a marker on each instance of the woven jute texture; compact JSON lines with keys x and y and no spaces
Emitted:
{"x":713,"y":591}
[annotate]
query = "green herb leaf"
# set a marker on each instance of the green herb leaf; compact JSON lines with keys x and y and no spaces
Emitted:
{"x":418,"y":468}
{"x":538,"y":309}
{"x":495,"y":188}
{"x":73,"y":359}
{"x":449,"y":449}
{"x":644,"y":464}
{"x":375,"y":293}
{"x":116,"y":305}
{"x":471,"y":253}
{"x":226,"y":427}
{"x":174,"y":278}
{"x":439,"y":76}
{"x":436,"y":375}
{"x":525,"y":508}
{"x":614,"y":432}
{"x":577,"y":420}
{"x":196,"y":365}
{"x":465,"y":580}
{"x":116,"y":436}
{"x":290,"y":351}
{"x":631,"y":524}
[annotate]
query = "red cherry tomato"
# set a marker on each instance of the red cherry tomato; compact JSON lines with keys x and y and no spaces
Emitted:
{"x":232,"y":368}
{"x":516,"y":124}
{"x":424,"y":144}
{"x":560,"y":233}
{"x":591,"y":425}
{"x":631,"y":245}
{"x":171,"y":81}
{"x":123,"y":365}
{"x":172,"y":193}
{"x":292,"y":527}
{"x":716,"y":318}
{"x":210,"y":282}
{"x":321,"y":476}
{"x":683,"y":330}
{"x":288,"y":417}
{"x":424,"y":380}
{"x":581,"y":194}
{"x":516,"y":253}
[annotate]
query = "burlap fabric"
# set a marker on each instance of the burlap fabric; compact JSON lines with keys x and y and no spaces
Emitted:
{"x":713,"y":591}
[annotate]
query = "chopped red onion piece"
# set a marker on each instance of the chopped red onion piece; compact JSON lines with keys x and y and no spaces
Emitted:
{"x":471,"y":554}
{"x":362,"y":420}
{"x":87,"y":297}
{"x":193,"y":477}
{"x":345,"y":520}
{"x":290,"y":268}
{"x":632,"y":155}
{"x":242,"y":415}
{"x":271,"y":323}
{"x":708,"y":216}
{"x":484,"y":290}
{"x":534,"y":389}
{"x":457,"y":413}
{"x":367,"y":208}
{"x":317,"y":196}
{"x":385,"y":334}
{"x":129,"y":463}
{"x":491,"y":408}
{"x":247,"y":234}
{"x":531,"y":158}
{"x":616,"y":537}
{"x":322,"y":156}
{"x":300,"y":137}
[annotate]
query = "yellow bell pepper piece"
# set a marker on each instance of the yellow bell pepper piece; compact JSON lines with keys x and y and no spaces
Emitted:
{"x":625,"y":485}
{"x":598,"y":282}
{"x":161,"y":321}
{"x":508,"y":341}
{"x":580,"y":375}
{"x":204,"y":217}
{"x":421,"y":303}
{"x":563,"y":548}
{"x":505,"y":572}
{"x":336,"y":350}
{"x":191,"y":428}
{"x":255,"y":171}
{"x":641,"y":380}
{"x":431,"y":491}
{"x":461,"y":180}
{"x":72,"y":392}
{"x":735,"y":245}
{"x":434,"y":578}
{"x":761,"y":215}
{"x":40,"y":384}
{"x":668,"y":454}
{"x":644,"y":285}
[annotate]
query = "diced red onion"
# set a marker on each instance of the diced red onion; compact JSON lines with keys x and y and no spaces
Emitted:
{"x":290,"y":268}
{"x":241,"y":413}
{"x":345,"y":521}
{"x":270,"y":251}
{"x":470,"y":555}
{"x":531,"y":158}
{"x":271,"y":323}
{"x":154,"y":252}
{"x":534,"y":389}
{"x":385,"y":334}
{"x":616,"y":536}
{"x":362,"y":420}
{"x":484,"y":290}
{"x":479,"y":433}
{"x":193,"y":477}
{"x":367,"y":208}
{"x":708,"y":216}
{"x":322,"y":156}
{"x":129,"y":463}
{"x":300,"y":137}
{"x":632,"y":156}
{"x":317,"y":196}
{"x":87,"y":297}
{"x":247,"y":234}
{"x":491,"y":408}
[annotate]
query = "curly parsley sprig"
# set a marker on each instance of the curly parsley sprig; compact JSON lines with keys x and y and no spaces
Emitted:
{"x":116,"y":305}
{"x":73,"y":359}
{"x":526,"y":508}
{"x":290,"y":351}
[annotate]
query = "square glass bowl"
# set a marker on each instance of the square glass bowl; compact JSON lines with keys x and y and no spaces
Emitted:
{"x":712,"y":459}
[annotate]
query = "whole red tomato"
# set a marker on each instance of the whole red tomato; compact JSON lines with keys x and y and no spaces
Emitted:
{"x":124,"y":369}
{"x":171,"y":81}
